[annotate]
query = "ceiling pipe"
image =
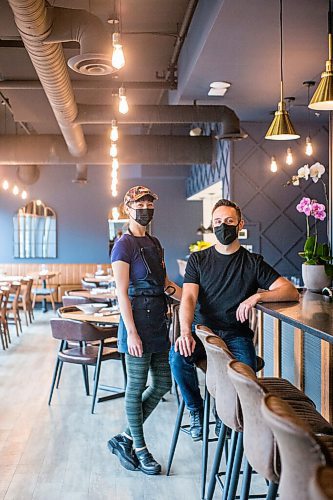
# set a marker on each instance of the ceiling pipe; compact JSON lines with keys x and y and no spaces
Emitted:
{"x":95,"y":43}
{"x":81,"y":174}
{"x":163,"y":114}
{"x":133,"y":150}
{"x":34,"y":22}
{"x":104,"y":84}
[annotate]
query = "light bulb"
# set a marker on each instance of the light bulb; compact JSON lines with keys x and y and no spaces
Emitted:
{"x":118,"y":59}
{"x":114,"y":192}
{"x":38,"y":203}
{"x":114,"y":131}
{"x":114,"y":174}
{"x":308,"y":146}
{"x":16,"y":190}
{"x":5,"y":185}
{"x":115,"y":164}
{"x":289,"y":157}
{"x":273,"y":164}
{"x":123,"y":104}
{"x":113,"y":150}
{"x":24,"y":195}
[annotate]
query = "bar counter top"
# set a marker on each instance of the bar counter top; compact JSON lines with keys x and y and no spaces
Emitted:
{"x":312,"y":314}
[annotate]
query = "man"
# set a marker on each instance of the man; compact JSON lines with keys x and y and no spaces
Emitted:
{"x":223,"y":282}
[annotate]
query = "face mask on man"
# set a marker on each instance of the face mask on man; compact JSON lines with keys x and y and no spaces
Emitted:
{"x":225,"y":233}
{"x":143,"y":216}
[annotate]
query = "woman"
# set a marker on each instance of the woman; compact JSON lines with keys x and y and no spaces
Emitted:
{"x":141,"y":281}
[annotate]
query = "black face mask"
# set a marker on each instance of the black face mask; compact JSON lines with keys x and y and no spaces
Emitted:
{"x":143,"y":216}
{"x":225,"y":233}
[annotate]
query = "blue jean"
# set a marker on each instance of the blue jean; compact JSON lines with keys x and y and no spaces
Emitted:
{"x":184,"y":371}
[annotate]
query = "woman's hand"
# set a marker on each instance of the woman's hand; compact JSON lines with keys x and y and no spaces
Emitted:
{"x":134,"y":345}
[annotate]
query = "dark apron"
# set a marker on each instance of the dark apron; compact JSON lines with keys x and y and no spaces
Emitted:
{"x":148,"y":303}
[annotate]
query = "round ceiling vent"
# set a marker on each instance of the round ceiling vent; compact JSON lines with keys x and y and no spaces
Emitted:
{"x":91,"y":64}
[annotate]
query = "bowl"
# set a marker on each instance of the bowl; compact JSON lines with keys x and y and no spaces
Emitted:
{"x":91,"y":308}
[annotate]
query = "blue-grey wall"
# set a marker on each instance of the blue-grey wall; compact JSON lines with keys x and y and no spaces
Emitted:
{"x":82,"y":211}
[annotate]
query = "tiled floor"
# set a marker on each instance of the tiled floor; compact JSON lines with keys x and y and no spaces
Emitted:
{"x":60,"y":452}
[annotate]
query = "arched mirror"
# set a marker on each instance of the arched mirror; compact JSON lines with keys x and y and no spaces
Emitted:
{"x":35,"y":231}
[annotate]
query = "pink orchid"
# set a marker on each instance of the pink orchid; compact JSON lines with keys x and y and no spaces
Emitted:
{"x":304,"y":206}
{"x":318,"y":211}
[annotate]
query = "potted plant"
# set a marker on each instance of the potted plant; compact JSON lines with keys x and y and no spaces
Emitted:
{"x":317,"y":271}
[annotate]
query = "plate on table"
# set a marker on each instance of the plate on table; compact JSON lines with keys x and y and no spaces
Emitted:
{"x":91,"y":308}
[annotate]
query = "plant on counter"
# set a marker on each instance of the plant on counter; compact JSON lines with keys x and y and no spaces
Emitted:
{"x":199,"y":245}
{"x":314,"y":253}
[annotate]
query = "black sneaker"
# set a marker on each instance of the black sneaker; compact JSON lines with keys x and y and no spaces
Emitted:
{"x":122,"y":447}
{"x":147,"y":463}
{"x":196,"y":424}
{"x":218,"y":426}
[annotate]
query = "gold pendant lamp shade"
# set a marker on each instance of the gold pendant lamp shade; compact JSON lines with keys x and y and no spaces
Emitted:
{"x":322,"y":99}
{"x":281,"y":128}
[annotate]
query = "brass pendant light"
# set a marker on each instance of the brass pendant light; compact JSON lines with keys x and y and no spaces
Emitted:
{"x":281,"y":128}
{"x":322,"y":99}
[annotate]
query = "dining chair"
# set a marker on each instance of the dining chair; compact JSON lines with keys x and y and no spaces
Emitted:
{"x":13,"y":311}
{"x":44,"y":289}
{"x":25,"y":300}
{"x":3,"y":315}
{"x":84,"y":352}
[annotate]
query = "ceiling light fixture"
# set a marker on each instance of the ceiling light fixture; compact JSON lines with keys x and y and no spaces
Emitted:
{"x":308,"y":142}
{"x":123,"y":104}
{"x":281,"y":128}
{"x":118,"y":58}
{"x":289,"y":157}
{"x":5,"y":185}
{"x":24,"y":195}
{"x":322,"y":99}
{"x":195,"y":132}
{"x":274,"y":166}
{"x":16,"y":190}
{"x":113,"y":150}
{"x":218,"y":88}
{"x":114,"y":136}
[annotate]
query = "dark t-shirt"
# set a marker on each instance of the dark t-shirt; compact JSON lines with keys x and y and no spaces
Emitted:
{"x":127,"y":249}
{"x":224,"y":282}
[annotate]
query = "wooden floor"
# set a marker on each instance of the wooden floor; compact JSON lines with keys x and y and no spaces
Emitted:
{"x":60,"y":451}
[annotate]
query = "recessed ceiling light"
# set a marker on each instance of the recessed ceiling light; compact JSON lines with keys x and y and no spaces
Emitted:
{"x":220,"y":85}
{"x":217,"y":92}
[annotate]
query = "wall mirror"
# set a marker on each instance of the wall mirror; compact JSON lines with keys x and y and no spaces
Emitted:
{"x":35,"y":231}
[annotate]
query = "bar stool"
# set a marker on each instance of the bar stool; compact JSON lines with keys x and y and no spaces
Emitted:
{"x":201,"y":365}
{"x":259,"y":445}
{"x":321,"y":484}
{"x":301,"y":451}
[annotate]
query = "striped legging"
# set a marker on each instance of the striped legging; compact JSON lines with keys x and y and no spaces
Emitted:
{"x":139,"y":401}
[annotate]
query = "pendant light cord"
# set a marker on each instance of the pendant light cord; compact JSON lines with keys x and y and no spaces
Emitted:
{"x":281,"y":50}
{"x":309,"y":115}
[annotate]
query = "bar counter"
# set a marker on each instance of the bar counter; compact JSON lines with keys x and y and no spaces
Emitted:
{"x":311,"y":316}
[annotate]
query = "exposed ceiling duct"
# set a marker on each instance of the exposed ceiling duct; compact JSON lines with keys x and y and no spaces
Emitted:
{"x":41,"y":28}
{"x":95,"y":43}
{"x":133,"y":150}
{"x":81,"y":174}
{"x":97,"y":114}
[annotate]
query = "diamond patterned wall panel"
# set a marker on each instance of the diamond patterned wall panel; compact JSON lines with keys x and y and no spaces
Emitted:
{"x":266,"y":200}
{"x":203,"y":176}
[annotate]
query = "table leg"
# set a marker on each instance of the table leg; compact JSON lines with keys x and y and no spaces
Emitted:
{"x":44,"y":301}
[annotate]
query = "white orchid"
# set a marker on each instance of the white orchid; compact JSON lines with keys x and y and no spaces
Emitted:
{"x":304,"y":172}
{"x":316,"y":171}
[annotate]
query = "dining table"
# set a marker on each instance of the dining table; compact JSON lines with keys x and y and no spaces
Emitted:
{"x":99,"y":280}
{"x":95,"y":295}
{"x":104,"y":318}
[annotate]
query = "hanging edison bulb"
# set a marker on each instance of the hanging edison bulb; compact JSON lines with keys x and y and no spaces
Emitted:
{"x":308,"y":146}
{"x":274,"y":166}
{"x":5,"y":185}
{"x":24,"y":195}
{"x":114,"y":136}
{"x":113,"y":150}
{"x":289,"y":157}
{"x":16,"y":190}
{"x":118,"y":59}
{"x":115,"y":164}
{"x":123,"y":104}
